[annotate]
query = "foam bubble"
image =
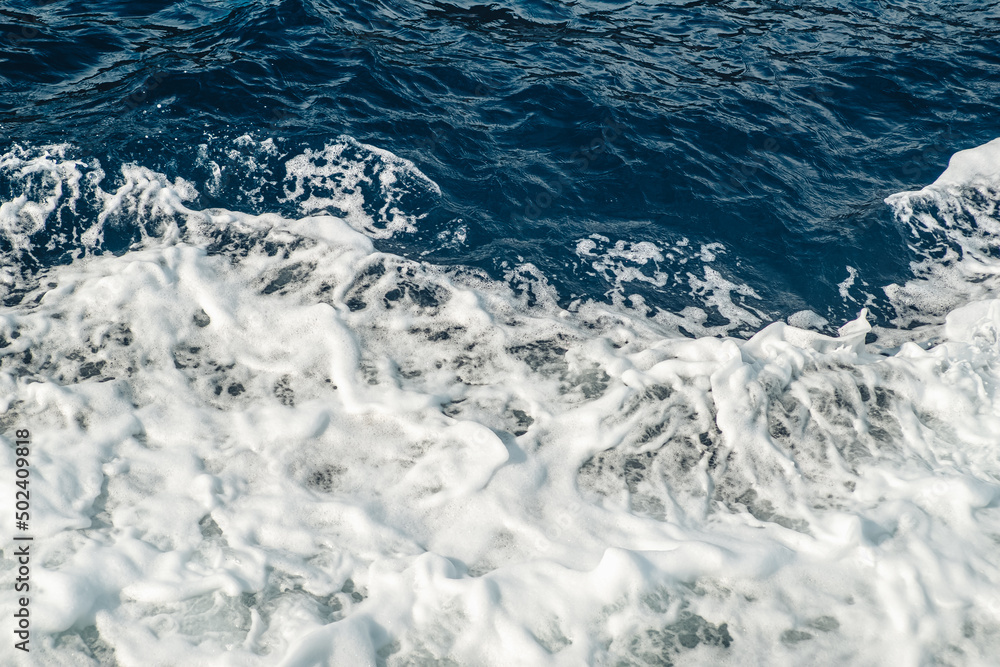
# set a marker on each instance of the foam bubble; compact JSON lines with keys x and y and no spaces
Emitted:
{"x":979,"y":165}
{"x":677,"y":267}
{"x":954,"y":223}
{"x":335,"y":180}
{"x":257,"y":441}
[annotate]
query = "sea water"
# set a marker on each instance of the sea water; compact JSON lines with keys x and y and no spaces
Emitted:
{"x":301,"y":397}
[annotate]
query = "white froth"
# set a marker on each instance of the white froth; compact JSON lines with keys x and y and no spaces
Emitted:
{"x":295,"y":450}
{"x":672,"y":267}
{"x":807,"y":319}
{"x":848,"y":283}
{"x":954,"y":225}
{"x":340,"y":171}
{"x":51,"y":179}
{"x":972,"y":167}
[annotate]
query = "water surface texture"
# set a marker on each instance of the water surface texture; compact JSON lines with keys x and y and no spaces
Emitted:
{"x":542,"y":333}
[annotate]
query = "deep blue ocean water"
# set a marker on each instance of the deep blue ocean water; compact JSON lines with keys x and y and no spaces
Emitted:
{"x":773,"y":128}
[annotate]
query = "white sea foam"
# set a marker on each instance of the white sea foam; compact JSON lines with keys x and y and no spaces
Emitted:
{"x":975,"y":166}
{"x":954,"y":224}
{"x":50,"y":181}
{"x":258,"y":441}
{"x":336,"y":176}
{"x":673,"y":268}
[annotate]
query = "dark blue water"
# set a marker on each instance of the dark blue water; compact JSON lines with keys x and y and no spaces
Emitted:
{"x":775,"y":129}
